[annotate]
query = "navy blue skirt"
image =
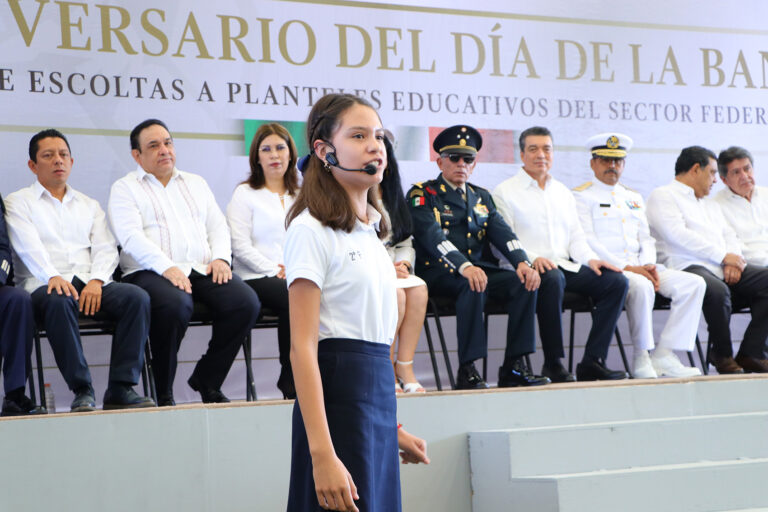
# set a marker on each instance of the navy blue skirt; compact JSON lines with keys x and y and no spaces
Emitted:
{"x":360,"y":403}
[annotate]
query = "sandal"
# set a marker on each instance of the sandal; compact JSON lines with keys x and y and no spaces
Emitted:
{"x":409,"y":387}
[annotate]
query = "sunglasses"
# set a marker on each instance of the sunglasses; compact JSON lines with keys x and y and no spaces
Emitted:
{"x":468,"y":159}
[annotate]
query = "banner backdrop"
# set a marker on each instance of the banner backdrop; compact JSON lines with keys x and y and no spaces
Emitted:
{"x":667,"y":75}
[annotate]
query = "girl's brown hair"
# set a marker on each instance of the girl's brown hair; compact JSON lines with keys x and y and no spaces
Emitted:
{"x":320,"y":193}
{"x":257,"y":180}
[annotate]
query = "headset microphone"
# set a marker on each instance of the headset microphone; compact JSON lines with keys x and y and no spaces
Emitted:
{"x":332,"y":160}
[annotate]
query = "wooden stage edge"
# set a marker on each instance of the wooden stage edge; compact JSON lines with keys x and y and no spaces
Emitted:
{"x":415,"y":396}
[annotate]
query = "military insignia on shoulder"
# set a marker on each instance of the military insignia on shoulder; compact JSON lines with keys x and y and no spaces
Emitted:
{"x":430,"y":190}
{"x":416,"y":192}
{"x":583,"y":187}
{"x":442,"y":188}
{"x":419,"y":184}
{"x":417,"y":201}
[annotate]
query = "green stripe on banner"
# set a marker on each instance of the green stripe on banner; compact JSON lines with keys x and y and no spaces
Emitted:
{"x":297,"y":130}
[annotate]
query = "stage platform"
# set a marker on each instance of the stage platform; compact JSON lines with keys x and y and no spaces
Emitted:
{"x":566,"y":447}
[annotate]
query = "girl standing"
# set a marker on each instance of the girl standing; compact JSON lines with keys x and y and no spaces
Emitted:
{"x":343,"y":318}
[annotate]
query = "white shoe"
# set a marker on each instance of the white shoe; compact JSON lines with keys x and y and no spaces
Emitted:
{"x":643,"y":369}
{"x":668,"y":365}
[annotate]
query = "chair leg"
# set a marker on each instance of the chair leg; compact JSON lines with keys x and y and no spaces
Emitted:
{"x":149,"y":371}
{"x":485,"y":359}
{"x":623,"y":353}
{"x":570,"y":350}
{"x":428,"y":334}
{"x":704,"y":360}
{"x":39,"y":358}
{"x":690,"y":358}
{"x":441,"y":336}
{"x":250,"y":385}
{"x":144,"y":381}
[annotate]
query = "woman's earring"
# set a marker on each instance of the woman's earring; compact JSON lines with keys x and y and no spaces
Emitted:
{"x":327,"y":167}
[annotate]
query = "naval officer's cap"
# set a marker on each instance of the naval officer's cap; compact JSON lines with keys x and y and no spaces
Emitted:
{"x":609,"y":145}
{"x":461,"y":139}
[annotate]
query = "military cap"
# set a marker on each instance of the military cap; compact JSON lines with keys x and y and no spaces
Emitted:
{"x":610,"y":145}
{"x":458,"y":139}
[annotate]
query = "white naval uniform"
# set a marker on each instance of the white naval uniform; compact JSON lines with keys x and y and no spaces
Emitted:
{"x":749,"y":219}
{"x":354,"y":273}
{"x":615,"y":224}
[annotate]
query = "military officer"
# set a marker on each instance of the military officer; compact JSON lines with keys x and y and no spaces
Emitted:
{"x":453,"y":224}
{"x":615,"y":224}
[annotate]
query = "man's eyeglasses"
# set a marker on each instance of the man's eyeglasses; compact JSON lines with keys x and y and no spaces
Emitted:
{"x":468,"y":159}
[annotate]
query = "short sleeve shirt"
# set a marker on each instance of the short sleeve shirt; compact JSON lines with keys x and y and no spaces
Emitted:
{"x":354,"y":273}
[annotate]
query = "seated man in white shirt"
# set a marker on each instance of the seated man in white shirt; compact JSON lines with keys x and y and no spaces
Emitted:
{"x":65,"y":255}
{"x":614,"y":222}
{"x":744,"y":204}
{"x":542,"y":211}
{"x":176,"y":246}
{"x":692,"y":235}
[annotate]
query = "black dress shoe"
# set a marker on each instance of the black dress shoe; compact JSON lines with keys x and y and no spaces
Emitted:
{"x":84,"y":400}
{"x":122,"y":396}
{"x":22,"y":406}
{"x":209,"y":395}
{"x":592,"y":369}
{"x":165,"y":401}
{"x":468,"y":378}
{"x":557,"y":372}
{"x":285,"y":383}
{"x":518,"y":374}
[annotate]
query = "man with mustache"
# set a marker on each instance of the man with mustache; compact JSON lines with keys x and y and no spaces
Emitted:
{"x":614,"y":221}
{"x":692,"y":235}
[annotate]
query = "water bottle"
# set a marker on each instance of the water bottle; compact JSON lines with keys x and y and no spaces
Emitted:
{"x":50,"y":400}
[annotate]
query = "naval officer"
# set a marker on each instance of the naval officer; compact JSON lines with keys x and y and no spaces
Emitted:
{"x":615,"y":224}
{"x":454,"y":224}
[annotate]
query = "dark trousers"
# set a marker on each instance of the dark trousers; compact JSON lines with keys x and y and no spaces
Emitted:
{"x":751,"y":290}
{"x":504,"y":286}
{"x":607,"y":291}
{"x":235,"y":311}
{"x":273,"y":294}
{"x":124,"y":304}
{"x":17,"y":322}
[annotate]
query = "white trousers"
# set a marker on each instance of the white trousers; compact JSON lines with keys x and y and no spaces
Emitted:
{"x":687,"y":293}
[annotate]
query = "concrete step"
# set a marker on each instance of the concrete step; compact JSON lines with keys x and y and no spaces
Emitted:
{"x":694,"y":487}
{"x":624,"y":444}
